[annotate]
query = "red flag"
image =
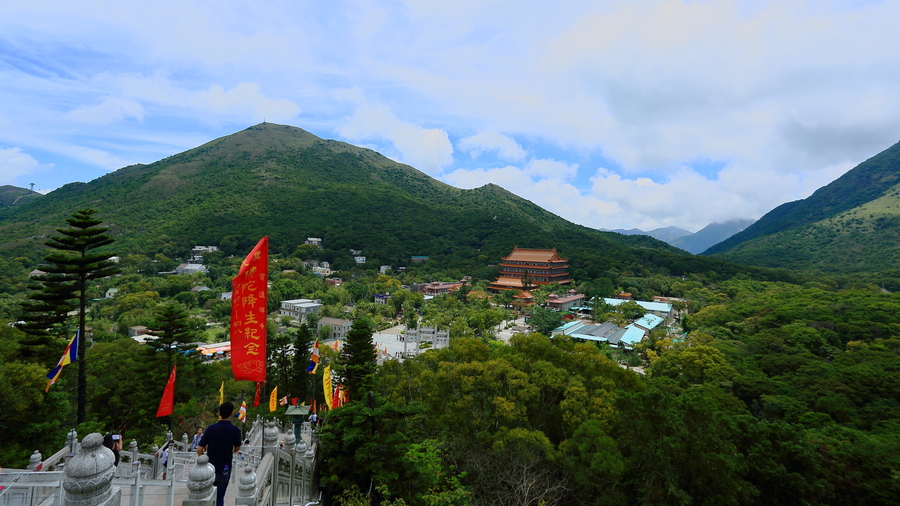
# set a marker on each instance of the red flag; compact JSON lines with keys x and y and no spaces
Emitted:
{"x":256,"y":397}
{"x":294,"y":401}
{"x":248,"y":315}
{"x":168,"y":398}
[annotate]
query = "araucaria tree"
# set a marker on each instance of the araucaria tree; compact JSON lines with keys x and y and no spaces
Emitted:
{"x":64,"y":284}
{"x":172,"y":330}
{"x":358,"y":360}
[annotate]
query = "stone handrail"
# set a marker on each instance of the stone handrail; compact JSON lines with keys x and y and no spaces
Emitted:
{"x":51,"y":462}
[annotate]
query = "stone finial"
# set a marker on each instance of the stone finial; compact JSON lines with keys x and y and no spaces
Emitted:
{"x":184,"y":441}
{"x":247,"y":483}
{"x":301,"y":445}
{"x":200,"y":483}
{"x":72,"y":441}
{"x":310,"y":452}
{"x":89,"y":475}
{"x":290,"y":440}
{"x":34,"y":460}
{"x":169,"y":436}
{"x":270,"y":436}
{"x":154,"y":449}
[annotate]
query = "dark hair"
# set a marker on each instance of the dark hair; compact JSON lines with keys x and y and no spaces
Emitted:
{"x":225,"y":410}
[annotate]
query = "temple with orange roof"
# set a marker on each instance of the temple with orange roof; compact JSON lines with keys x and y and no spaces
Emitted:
{"x":542,"y":266}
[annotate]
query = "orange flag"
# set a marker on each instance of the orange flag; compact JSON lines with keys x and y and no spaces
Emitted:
{"x":168,"y":398}
{"x":248,"y":315}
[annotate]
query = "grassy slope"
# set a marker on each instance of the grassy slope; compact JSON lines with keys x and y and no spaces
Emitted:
{"x":845,"y":226}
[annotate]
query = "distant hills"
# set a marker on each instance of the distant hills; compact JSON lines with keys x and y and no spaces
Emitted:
{"x":13,"y":195}
{"x":287,"y":183}
{"x":850,"y":225}
{"x":696,"y":242}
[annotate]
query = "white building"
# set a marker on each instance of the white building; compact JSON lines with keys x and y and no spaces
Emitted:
{"x":190,"y":269}
{"x":339,"y":326}
{"x":299,"y":308}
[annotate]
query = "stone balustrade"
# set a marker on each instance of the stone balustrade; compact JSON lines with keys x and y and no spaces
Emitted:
{"x":89,"y":475}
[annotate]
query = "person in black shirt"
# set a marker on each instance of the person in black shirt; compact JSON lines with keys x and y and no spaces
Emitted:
{"x":219,"y":442}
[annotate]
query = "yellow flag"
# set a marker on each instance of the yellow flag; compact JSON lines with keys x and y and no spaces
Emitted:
{"x":222,"y":394}
{"x":273,"y":399}
{"x":326,"y":385}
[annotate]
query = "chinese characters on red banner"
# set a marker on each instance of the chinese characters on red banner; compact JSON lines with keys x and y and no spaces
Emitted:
{"x":248,"y":315}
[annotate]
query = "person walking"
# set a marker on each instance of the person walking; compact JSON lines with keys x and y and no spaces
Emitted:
{"x":196,"y":441}
{"x":220,"y":441}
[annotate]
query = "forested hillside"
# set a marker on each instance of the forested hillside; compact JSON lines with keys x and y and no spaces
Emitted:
{"x":288,"y":184}
{"x":781,"y":394}
{"x":848,"y":226}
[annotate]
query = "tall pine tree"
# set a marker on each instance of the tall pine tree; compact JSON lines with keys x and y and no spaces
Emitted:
{"x":64,"y":284}
{"x":358,"y":360}
{"x":172,"y":330}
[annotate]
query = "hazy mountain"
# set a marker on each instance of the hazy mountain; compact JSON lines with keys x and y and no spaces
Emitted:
{"x":665,"y":234}
{"x":709,"y":235}
{"x":284,"y":182}
{"x":849,"y":225}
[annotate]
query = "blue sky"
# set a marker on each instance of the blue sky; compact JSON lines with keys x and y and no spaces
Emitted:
{"x":612,"y":114}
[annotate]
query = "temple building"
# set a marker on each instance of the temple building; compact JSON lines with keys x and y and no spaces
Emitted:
{"x":540,"y":266}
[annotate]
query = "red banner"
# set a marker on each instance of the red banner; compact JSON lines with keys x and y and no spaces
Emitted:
{"x":248,"y":315}
{"x":168,"y":399}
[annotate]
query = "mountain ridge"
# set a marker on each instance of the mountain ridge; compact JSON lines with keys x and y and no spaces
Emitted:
{"x":850,"y":225}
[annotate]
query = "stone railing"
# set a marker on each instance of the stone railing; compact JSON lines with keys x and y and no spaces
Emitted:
{"x":279,"y":471}
{"x":284,"y":475}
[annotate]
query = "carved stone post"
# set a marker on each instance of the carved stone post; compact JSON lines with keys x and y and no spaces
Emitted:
{"x":290,"y":440}
{"x":89,"y":475}
{"x":72,"y":441}
{"x":248,"y":493}
{"x":309,"y":463}
{"x":34,"y":461}
{"x":201,"y":491}
{"x":270,"y":438}
{"x":184,"y":442}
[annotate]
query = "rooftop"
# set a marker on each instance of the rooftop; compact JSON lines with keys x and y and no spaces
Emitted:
{"x":534,"y":255}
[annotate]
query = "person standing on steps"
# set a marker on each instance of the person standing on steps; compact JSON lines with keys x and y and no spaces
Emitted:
{"x":220,"y":441}
{"x":196,"y":441}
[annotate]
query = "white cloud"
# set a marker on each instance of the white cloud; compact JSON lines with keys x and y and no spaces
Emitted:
{"x":506,"y":147}
{"x":791,"y":92}
{"x":14,"y":163}
{"x":427,"y":149}
{"x":244,"y":102}
{"x":551,"y":169}
{"x":110,"y":110}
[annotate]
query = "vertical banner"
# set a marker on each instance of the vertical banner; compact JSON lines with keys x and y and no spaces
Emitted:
{"x":326,"y":385}
{"x":273,"y":399}
{"x":248,"y":315}
{"x":256,"y":397}
{"x":167,"y":403}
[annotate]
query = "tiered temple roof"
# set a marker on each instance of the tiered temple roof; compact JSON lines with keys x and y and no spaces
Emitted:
{"x":542,"y":266}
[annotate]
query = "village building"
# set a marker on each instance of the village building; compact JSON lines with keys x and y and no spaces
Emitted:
{"x":339,"y":326}
{"x":299,"y":308}
{"x":534,"y":266}
{"x":565,"y":302}
{"x":188,"y":268}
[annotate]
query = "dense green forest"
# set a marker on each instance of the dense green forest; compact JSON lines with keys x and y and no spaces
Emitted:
{"x":779,"y":392}
{"x":778,"y":387}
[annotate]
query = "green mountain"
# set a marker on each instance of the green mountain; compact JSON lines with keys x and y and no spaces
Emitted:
{"x":14,"y":196}
{"x":850,"y":225}
{"x":286,"y":183}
